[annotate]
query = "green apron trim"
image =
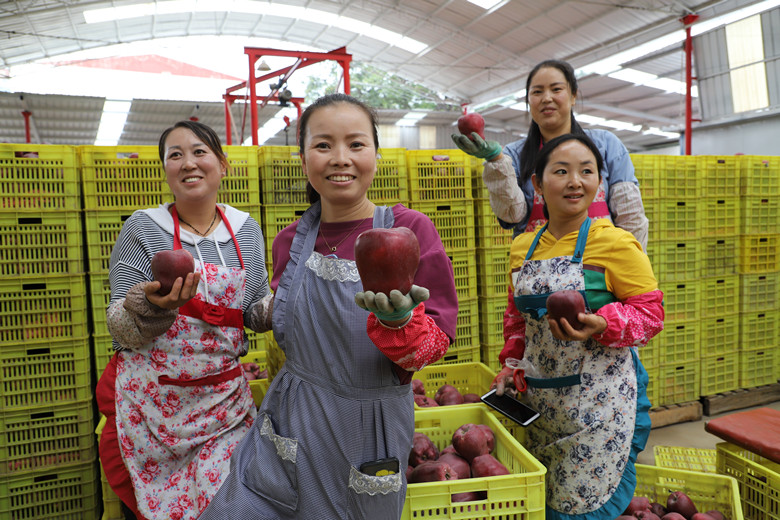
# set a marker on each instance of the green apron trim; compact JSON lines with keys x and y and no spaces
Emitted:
{"x":596,"y":293}
{"x":553,"y":382}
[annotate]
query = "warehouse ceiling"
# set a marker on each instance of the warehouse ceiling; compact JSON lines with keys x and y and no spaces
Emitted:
{"x":468,"y":54}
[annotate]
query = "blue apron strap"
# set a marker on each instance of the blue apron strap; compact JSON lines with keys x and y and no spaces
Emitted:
{"x":553,"y":382}
{"x":582,"y":238}
{"x":535,"y":242}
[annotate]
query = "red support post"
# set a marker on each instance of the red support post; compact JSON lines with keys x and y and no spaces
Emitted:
{"x":26,"y":114}
{"x":688,"y":20}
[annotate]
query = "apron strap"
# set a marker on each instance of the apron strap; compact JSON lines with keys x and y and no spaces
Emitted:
{"x":177,"y":237}
{"x":213,"y":379}
{"x":582,"y":238}
{"x":535,"y":242}
{"x":553,"y":382}
{"x":213,"y":314}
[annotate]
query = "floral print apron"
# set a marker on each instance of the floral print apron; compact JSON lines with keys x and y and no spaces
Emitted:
{"x":182,"y":401}
{"x":585,"y":392}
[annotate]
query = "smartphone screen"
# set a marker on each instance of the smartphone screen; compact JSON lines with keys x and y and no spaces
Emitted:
{"x":521,"y":413}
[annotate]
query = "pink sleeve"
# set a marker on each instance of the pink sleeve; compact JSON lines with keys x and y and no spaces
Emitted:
{"x":412,"y":347}
{"x":514,"y":332}
{"x":632,"y":322}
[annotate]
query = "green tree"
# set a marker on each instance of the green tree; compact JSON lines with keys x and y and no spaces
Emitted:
{"x":379,"y":89}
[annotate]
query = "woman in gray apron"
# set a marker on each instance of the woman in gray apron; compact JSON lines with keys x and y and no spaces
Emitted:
{"x":342,"y":398}
{"x":588,"y":385}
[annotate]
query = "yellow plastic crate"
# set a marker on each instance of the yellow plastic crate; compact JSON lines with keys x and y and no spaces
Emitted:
{"x":472,"y":377}
{"x":720,"y":373}
{"x":517,"y":496}
{"x":648,"y":170}
{"x":721,"y":175}
{"x":759,"y":329}
{"x":391,"y":181}
{"x":454,"y":221}
{"x":708,"y":491}
{"x":759,"y":253}
{"x":112,"y":505}
{"x":466,"y":346}
{"x":44,"y":375}
{"x":679,"y":219}
{"x":679,"y":342}
{"x":676,"y":383}
{"x":760,"y":175}
{"x":39,"y":178}
{"x":40,"y":243}
{"x":719,"y":256}
{"x":46,"y":437}
{"x":720,"y":216}
{"x":102,"y":350}
{"x":276,"y":218}
{"x":674,"y":260}
{"x":439,"y":175}
{"x":761,"y":215}
{"x":681,"y":178}
{"x":490,"y":234}
{"x":758,"y":479}
{"x":719,"y":295}
{"x":464,"y":268}
{"x":691,"y":459}
{"x":65,"y":492}
{"x":493,"y":272}
{"x":491,"y":320}
{"x":718,"y":333}
{"x":132,"y":177}
{"x":281,"y":174}
{"x":759,"y":291}
{"x":681,"y":299}
{"x":757,"y":366}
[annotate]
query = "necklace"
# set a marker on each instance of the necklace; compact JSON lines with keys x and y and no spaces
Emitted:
{"x":333,"y":248}
{"x":207,"y":229}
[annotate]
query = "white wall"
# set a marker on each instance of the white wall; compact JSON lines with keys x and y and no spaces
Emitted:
{"x":756,"y":137}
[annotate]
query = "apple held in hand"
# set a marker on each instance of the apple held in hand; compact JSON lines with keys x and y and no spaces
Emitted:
{"x":566,"y":304}
{"x":471,"y":122}
{"x":167,"y":266}
{"x":387,"y":259}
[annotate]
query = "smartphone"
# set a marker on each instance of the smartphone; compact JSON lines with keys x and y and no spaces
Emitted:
{"x":380,"y":467}
{"x":519,"y":412}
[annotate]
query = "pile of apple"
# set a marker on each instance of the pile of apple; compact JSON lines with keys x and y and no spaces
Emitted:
{"x":252,"y":371}
{"x":447,"y":394}
{"x":679,"y":506}
{"x":470,"y":455}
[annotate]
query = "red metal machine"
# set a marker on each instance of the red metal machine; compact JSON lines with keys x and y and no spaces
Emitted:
{"x":303,"y":59}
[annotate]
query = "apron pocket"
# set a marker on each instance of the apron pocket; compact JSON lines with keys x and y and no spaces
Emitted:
{"x":374,"y":497}
{"x":271,"y":471}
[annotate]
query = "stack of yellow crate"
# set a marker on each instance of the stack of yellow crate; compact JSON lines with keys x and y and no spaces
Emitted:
{"x":440,"y":186}
{"x":493,"y":246}
{"x":759,"y":266}
{"x":47,"y":450}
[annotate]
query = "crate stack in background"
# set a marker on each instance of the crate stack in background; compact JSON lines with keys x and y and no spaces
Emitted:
{"x":759,"y":271}
{"x":493,"y":245}
{"x":440,"y":186}
{"x":672,"y":199}
{"x":47,"y":450}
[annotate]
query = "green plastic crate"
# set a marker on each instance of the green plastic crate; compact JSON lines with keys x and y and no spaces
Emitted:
{"x":708,"y":491}
{"x":719,"y":295}
{"x":757,"y":367}
{"x":679,"y":457}
{"x":39,"y":375}
{"x":46,"y":180}
{"x":454,"y":220}
{"x":40,"y":243}
{"x":719,"y":256}
{"x":439,"y":175}
{"x":759,"y":253}
{"x":720,"y":216}
{"x":46,"y":437}
{"x":41,"y":310}
{"x":758,"y":479}
{"x":720,"y":373}
{"x":63,"y":493}
{"x":517,"y":496}
{"x":493,"y":272}
{"x":759,"y":291}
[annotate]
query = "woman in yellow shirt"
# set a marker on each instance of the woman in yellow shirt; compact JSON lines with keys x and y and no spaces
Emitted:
{"x":588,"y":384}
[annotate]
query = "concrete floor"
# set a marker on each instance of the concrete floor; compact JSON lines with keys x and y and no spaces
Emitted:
{"x":688,"y":435}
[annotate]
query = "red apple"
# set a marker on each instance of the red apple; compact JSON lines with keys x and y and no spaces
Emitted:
{"x":679,"y":502}
{"x":660,"y":509}
{"x":673,"y":516}
{"x":471,"y":122}
{"x":447,"y":394}
{"x":646,"y":514}
{"x":566,"y":304}
{"x":702,"y":516}
{"x":470,"y":441}
{"x":168,"y":265}
{"x":424,"y":401}
{"x":471,"y":398}
{"x":418,"y":387}
{"x":387,"y":259}
{"x":717,"y":515}
{"x":637,"y":504}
